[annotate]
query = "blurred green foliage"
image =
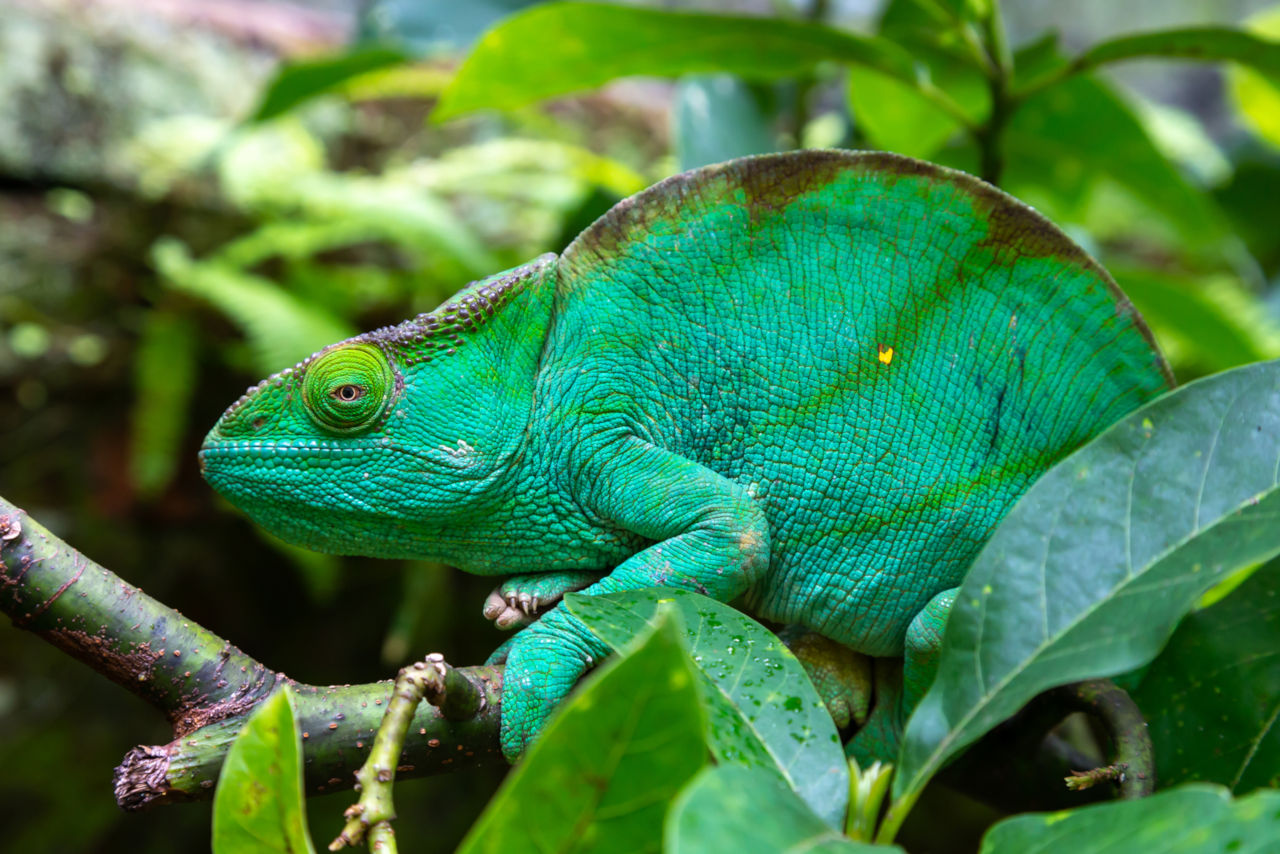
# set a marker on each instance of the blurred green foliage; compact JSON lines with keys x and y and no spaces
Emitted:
{"x":175,"y":224}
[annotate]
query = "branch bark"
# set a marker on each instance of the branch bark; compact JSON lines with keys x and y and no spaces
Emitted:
{"x":205,"y":686}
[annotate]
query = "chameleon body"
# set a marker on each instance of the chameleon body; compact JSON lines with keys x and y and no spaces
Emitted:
{"x":812,"y":383}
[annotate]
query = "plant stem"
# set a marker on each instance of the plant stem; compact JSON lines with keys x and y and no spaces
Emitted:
{"x":999,"y":72}
{"x":817,"y":11}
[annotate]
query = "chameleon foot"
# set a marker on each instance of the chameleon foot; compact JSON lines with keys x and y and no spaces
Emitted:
{"x":842,"y":676}
{"x":440,"y":685}
{"x":519,"y":600}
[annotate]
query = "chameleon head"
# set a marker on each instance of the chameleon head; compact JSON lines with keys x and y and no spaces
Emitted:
{"x":321,"y":454}
{"x":395,"y":442}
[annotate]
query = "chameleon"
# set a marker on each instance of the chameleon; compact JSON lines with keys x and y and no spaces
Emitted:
{"x":808,"y":383}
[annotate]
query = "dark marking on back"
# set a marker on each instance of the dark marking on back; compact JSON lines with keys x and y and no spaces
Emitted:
{"x":995,"y":421}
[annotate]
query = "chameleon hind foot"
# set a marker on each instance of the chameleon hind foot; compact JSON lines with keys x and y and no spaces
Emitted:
{"x":843,"y":677}
{"x":900,"y":683}
{"x":519,"y":600}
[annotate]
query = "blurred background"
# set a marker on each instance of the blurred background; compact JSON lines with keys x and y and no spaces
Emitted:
{"x":196,"y":193}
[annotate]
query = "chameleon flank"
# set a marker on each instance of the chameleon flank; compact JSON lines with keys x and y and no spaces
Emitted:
{"x":816,"y":381}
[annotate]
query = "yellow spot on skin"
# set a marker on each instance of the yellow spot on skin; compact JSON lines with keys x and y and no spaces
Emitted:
{"x":886,"y":354}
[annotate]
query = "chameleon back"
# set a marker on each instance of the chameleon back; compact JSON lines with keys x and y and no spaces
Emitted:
{"x":884,"y":353}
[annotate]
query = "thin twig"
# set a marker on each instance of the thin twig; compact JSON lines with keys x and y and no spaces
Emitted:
{"x":443,"y":687}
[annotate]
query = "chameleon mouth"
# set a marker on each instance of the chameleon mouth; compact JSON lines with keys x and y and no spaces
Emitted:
{"x":254,"y":461}
{"x":258,"y":450}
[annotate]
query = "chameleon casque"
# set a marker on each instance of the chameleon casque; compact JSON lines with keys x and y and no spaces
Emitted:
{"x":811,"y":382}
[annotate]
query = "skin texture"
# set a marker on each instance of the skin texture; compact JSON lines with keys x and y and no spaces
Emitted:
{"x":816,"y":381}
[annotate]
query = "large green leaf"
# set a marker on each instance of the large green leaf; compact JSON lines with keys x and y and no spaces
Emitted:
{"x":600,"y":775}
{"x":557,"y":48}
{"x":1212,"y":698}
{"x":302,"y":80}
{"x":258,"y":807}
{"x":895,"y":116}
{"x":1248,"y":199}
{"x":1092,"y":569}
{"x":1189,"y":820}
{"x":732,"y":808}
{"x":762,"y":709}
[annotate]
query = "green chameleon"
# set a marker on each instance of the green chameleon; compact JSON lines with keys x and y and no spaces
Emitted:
{"x":809,"y":382}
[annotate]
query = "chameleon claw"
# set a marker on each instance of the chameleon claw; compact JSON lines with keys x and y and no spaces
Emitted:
{"x":494,"y":606}
{"x":505,"y":612}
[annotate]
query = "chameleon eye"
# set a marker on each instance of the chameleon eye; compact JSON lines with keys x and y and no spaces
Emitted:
{"x":347,"y":389}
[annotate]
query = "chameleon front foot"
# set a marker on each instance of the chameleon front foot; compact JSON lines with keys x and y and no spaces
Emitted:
{"x":440,"y":685}
{"x":519,"y":600}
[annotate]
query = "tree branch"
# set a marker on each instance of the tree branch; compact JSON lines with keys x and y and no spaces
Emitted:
{"x":1110,"y":705}
{"x":204,"y":685}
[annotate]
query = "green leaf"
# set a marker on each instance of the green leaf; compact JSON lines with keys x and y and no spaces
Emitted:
{"x":258,"y":806}
{"x":1091,"y":570}
{"x":1212,"y":698}
{"x":1258,"y":94}
{"x":300,"y":81}
{"x":601,"y":773}
{"x":557,"y":48}
{"x":940,"y":27}
{"x":718,"y":118}
{"x":1209,"y":325}
{"x":943,"y":36}
{"x":733,"y":808}
{"x":895,"y":116}
{"x":394,"y":206}
{"x":1188,"y":820}
{"x":1070,"y":139}
{"x":164,"y":378}
{"x":762,"y":710}
{"x":1205,"y":44}
{"x":281,"y":329}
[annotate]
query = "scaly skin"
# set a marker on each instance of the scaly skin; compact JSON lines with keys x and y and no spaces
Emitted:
{"x":814,"y":380}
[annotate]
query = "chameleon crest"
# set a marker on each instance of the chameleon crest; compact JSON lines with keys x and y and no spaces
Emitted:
{"x":816,"y":381}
